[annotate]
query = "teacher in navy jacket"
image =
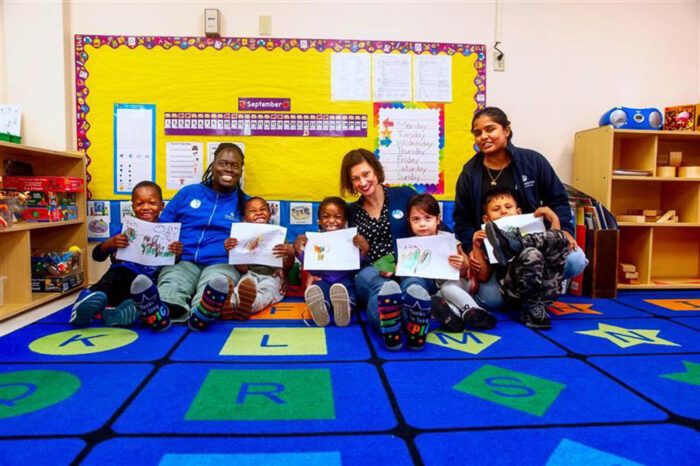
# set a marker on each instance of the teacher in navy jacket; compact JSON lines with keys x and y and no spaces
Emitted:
{"x":500,"y":164}
{"x":380,"y":215}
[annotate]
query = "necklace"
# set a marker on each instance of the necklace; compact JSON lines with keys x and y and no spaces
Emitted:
{"x":493,"y":180}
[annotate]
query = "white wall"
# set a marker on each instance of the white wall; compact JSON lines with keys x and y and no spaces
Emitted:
{"x":566,"y":62}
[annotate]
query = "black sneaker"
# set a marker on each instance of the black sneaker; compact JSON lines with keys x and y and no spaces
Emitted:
{"x":534,"y":315}
{"x":442,"y":312}
{"x":506,"y":244}
{"x":478,"y":318}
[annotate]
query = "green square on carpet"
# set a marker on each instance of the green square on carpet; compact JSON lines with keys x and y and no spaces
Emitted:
{"x":264,"y":395}
{"x":516,"y":390}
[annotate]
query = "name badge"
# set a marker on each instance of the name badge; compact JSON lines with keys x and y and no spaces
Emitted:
{"x":195,"y":203}
{"x":397,"y":214}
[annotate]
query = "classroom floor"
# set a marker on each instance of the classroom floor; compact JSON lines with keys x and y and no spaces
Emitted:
{"x":614,"y":382}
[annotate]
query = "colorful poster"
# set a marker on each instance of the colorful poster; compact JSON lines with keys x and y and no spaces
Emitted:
{"x":527,"y":223}
{"x":183,"y":163}
{"x":391,"y":77}
{"x":125,"y":210}
{"x":332,"y":250}
{"x":300,"y":213}
{"x":255,"y":244}
{"x":432,"y":78}
{"x":148,"y":242}
{"x":351,"y":77}
{"x":409,"y":145}
{"x":427,"y":257}
{"x":98,"y":226}
{"x":266,"y":124}
{"x":134,"y":145}
{"x":274,"y":212}
{"x":98,"y":208}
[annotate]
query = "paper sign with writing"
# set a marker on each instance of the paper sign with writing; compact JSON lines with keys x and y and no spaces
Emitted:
{"x":527,"y":223}
{"x":331,"y":251}
{"x":148,"y":242}
{"x":409,"y":145}
{"x":427,"y":257}
{"x":255,"y":244}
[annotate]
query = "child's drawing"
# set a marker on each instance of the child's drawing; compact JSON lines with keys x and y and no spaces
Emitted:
{"x":333,"y":250}
{"x":427,"y":257}
{"x":255,"y":244}
{"x":148,"y":242}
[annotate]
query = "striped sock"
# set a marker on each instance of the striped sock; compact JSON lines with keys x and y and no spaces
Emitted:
{"x":389,"y":306}
{"x":153,"y":312}
{"x":209,"y":307}
{"x":417,"y":306}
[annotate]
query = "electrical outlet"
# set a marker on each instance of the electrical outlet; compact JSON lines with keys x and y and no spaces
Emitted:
{"x":499,"y":61}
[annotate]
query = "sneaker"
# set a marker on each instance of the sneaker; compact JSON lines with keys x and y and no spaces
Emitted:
{"x":247,"y":292}
{"x":123,"y":315}
{"x":441,"y":310}
{"x":313,"y":296}
{"x":340,"y":300}
{"x":89,"y":303}
{"x":534,"y":315}
{"x":506,"y":244}
{"x":478,"y":318}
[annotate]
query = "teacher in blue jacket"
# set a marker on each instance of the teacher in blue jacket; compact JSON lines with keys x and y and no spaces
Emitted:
{"x":500,"y":164}
{"x":206,"y":211}
{"x":380,"y":215}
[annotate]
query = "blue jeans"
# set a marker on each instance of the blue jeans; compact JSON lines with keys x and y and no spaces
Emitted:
{"x":368,"y":282}
{"x":489,"y":295}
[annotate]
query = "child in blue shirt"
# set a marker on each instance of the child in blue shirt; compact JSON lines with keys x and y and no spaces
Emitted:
{"x":114,"y":288}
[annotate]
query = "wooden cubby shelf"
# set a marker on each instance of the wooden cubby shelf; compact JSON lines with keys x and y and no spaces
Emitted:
{"x":667,"y":255}
{"x":18,"y":241}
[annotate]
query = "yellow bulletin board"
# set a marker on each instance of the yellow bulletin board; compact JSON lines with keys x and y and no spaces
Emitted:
{"x":210,"y":75}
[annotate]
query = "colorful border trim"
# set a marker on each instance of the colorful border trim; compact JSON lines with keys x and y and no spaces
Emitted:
{"x":439,"y":187}
{"x":254,"y":43}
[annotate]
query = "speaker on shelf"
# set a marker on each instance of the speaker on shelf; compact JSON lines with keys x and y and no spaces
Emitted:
{"x":632,"y":118}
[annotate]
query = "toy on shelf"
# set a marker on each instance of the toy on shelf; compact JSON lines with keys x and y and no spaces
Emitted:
{"x":648,"y":216}
{"x":680,"y":118}
{"x":627,"y":273}
{"x":57,"y":270}
{"x":632,"y":118}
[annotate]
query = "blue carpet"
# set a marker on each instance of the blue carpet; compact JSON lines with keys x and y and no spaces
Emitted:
{"x":215,"y":398}
{"x":620,"y":445}
{"x":613,"y":382}
{"x":54,"y":343}
{"x":63,"y":399}
{"x":507,"y":339}
{"x":294,"y":451}
{"x":509,"y":392}
{"x":44,"y":451}
{"x":266,"y":342}
{"x":693,"y":322}
{"x":624,"y":336}
{"x":671,"y":381}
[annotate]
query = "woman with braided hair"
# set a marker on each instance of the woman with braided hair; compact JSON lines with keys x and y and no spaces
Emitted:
{"x":195,"y":288}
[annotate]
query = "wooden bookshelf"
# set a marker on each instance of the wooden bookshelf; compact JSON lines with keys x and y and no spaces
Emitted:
{"x":17,"y":241}
{"x":667,"y":255}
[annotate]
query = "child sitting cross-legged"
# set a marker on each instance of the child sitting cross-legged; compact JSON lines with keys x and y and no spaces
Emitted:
{"x":123,"y":279}
{"x":261,"y":285}
{"x":530,"y":268}
{"x":334,"y":289}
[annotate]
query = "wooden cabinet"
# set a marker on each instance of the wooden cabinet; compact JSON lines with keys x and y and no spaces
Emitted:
{"x":16,"y":242}
{"x":667,"y":255}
